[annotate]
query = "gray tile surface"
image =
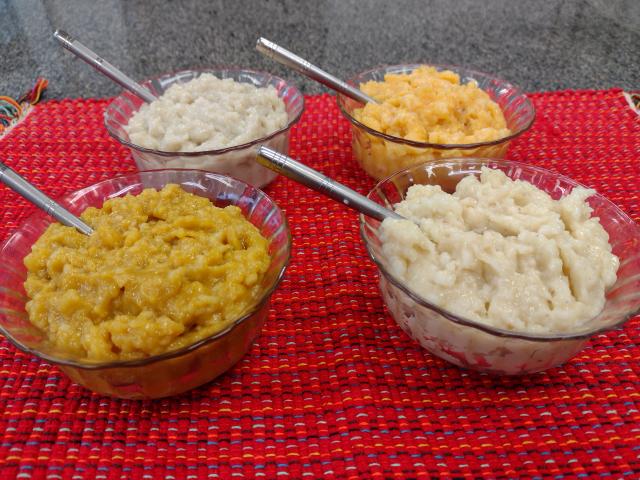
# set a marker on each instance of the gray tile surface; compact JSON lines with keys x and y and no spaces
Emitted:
{"x":537,"y":44}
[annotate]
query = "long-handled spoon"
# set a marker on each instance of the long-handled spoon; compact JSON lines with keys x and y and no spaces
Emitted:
{"x":299,"y":172}
{"x":299,"y":64}
{"x":104,"y":67}
{"x":21,"y":186}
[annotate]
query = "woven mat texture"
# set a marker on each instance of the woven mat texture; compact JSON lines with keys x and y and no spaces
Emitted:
{"x":333,"y":388}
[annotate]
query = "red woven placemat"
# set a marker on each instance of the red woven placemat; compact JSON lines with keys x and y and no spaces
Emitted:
{"x":333,"y":388}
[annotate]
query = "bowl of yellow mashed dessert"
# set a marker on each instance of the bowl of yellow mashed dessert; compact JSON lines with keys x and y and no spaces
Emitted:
{"x":499,"y":266}
{"x":426,"y":112}
{"x":169,"y":291}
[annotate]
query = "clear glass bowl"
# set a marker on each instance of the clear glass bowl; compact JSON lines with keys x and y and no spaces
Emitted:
{"x":380,"y":154}
{"x":237,"y":161}
{"x":471,"y":344}
{"x":176,"y":371}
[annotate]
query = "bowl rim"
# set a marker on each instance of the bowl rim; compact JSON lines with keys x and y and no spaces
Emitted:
{"x":212,"y":69}
{"x":441,"y":146}
{"x":264,"y":298}
{"x":467,"y":322}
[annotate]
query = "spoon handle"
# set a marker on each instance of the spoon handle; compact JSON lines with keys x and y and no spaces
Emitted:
{"x":313,"y":179}
{"x":293,"y":61}
{"x":21,"y":186}
{"x":100,"y":64}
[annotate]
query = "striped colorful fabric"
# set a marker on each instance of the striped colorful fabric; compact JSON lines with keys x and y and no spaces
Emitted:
{"x":333,"y":388}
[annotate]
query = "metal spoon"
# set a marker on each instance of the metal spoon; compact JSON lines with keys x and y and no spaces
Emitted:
{"x":21,"y":186}
{"x":299,"y":64}
{"x":313,"y":179}
{"x":104,"y":67}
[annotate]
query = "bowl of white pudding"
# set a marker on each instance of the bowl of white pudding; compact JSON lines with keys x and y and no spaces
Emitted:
{"x":211,"y":119}
{"x":500,"y":266}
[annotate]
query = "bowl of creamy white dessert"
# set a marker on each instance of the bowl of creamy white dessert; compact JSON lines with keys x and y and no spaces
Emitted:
{"x":212,"y":119}
{"x":500,"y":266}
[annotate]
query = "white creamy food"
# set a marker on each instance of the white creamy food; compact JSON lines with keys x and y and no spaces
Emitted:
{"x":207,"y":113}
{"x":502,"y":252}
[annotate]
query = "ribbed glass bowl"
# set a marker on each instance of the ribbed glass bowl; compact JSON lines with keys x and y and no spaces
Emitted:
{"x":237,"y":161}
{"x":173,"y":372}
{"x":380,"y":154}
{"x":479,"y":346}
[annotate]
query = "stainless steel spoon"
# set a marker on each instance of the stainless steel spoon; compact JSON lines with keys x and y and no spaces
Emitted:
{"x":21,"y":186}
{"x":299,"y":64}
{"x":104,"y":67}
{"x":313,"y":179}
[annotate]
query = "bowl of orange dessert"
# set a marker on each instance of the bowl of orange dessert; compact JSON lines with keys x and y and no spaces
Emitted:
{"x":429,"y":112}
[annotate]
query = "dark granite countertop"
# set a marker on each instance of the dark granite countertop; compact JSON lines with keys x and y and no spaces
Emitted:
{"x":539,"y":45}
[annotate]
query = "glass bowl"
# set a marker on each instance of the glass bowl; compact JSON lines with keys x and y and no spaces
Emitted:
{"x":478,"y":346}
{"x":380,"y":154}
{"x":237,"y":161}
{"x":173,"y":372}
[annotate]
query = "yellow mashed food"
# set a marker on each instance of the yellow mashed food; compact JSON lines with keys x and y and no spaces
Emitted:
{"x":425,"y":106}
{"x":161,"y":271}
{"x":432,"y":106}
